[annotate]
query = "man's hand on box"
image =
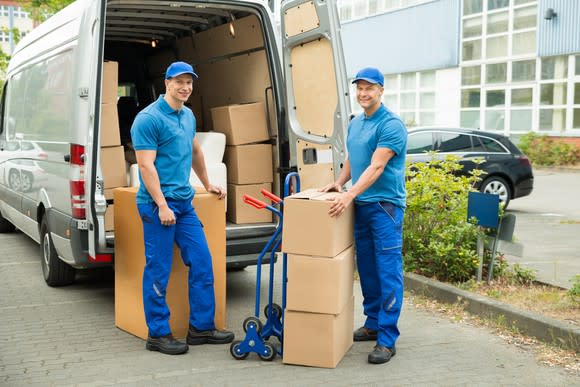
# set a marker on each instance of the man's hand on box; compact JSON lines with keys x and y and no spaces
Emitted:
{"x":219,"y":191}
{"x":332,"y":187}
{"x":341,"y":203}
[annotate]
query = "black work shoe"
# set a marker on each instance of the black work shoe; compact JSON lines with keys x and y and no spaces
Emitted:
{"x":195,"y":337}
{"x":364,"y":334}
{"x":381,"y":354}
{"x":166,"y":344}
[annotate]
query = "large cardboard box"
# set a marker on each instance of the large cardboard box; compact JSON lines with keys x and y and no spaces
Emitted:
{"x":242,"y":124}
{"x":113,"y":167}
{"x":320,"y":284}
{"x":130,"y":261}
{"x":110,"y":218}
{"x":240,"y":212}
{"x":309,"y":230}
{"x":249,"y":164}
{"x":110,"y":134}
{"x":110,"y":82}
{"x":318,"y":340}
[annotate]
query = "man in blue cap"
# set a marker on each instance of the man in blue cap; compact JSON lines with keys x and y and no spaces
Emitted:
{"x":376,"y":144}
{"x":163,"y":135}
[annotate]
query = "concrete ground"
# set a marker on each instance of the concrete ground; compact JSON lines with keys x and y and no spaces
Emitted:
{"x":548,"y":226}
{"x":66,"y":336}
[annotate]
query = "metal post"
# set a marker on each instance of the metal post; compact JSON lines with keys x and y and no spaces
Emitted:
{"x":493,"y":253}
{"x":480,"y":251}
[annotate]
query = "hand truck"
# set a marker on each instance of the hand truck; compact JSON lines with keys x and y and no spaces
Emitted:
{"x":257,"y":333}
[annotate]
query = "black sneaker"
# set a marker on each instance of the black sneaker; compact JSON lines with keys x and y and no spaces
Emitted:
{"x":166,"y":344}
{"x":213,"y":336}
{"x":364,"y":334}
{"x":381,"y":354}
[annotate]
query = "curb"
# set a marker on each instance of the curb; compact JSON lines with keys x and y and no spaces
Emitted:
{"x":543,"y":328}
{"x":557,"y":169}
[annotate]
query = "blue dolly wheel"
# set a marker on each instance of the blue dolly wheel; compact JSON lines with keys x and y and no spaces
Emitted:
{"x":236,"y":351}
{"x":269,"y":354}
{"x":277,"y":309}
{"x":252,"y":322}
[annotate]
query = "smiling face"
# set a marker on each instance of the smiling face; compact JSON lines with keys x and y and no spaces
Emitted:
{"x":368,"y":95}
{"x":179,"y":88}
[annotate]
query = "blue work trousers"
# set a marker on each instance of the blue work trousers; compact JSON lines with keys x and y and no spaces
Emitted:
{"x":188,"y":234}
{"x":379,"y":240}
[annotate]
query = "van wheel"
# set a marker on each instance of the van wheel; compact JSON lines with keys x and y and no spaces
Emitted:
{"x":497,"y":186}
{"x":55,"y":271}
{"x":26,"y":181}
{"x":14,"y":180}
{"x":5,"y":225}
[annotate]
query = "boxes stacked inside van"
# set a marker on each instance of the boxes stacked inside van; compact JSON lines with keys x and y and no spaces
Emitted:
{"x":248,"y":158}
{"x":112,"y":152}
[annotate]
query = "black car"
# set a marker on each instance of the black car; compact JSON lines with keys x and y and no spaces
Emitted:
{"x":509,"y":171}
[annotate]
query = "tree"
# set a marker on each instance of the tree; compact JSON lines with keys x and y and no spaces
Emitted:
{"x":40,"y":10}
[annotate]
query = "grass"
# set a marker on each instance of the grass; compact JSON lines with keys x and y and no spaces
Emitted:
{"x":539,"y":298}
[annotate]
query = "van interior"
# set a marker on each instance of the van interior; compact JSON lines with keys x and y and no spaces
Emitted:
{"x":226,"y":46}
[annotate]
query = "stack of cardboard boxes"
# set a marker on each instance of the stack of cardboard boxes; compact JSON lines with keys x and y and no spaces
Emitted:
{"x":112,"y":152}
{"x":319,"y":319}
{"x":248,"y":159}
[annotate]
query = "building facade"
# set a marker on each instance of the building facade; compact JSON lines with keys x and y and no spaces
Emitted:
{"x":12,"y":16}
{"x":510,"y":66}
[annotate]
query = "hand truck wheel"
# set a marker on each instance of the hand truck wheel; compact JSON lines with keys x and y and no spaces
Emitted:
{"x":270,"y":352}
{"x":252,"y":322}
{"x":236,"y":351}
{"x":276,"y":308}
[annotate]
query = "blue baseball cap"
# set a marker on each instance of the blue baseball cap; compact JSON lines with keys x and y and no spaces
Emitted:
{"x":371,"y":75}
{"x":178,"y":68}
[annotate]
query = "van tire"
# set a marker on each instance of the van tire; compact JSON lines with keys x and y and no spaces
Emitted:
{"x":55,"y":271}
{"x":5,"y":225}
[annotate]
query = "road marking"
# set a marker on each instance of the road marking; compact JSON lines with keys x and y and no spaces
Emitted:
{"x":552,"y":214}
{"x":85,"y":300}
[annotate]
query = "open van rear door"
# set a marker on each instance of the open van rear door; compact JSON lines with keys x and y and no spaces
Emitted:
{"x":317,"y":90}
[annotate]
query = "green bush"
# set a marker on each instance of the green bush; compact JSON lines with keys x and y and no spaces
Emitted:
{"x":548,"y":151}
{"x":574,"y":292}
{"x":438,"y":240}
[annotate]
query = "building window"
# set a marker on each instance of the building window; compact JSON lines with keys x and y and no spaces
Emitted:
{"x":524,"y":70}
{"x":496,"y":73}
{"x":472,"y":6}
{"x":496,"y":4}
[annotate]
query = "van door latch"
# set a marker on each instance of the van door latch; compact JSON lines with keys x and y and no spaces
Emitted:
{"x":84,"y":92}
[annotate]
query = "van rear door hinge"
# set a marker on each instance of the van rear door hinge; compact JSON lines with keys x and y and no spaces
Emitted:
{"x":83,"y":92}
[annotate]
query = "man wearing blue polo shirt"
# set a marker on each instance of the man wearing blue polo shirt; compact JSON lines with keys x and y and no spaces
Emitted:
{"x":163,"y":135}
{"x":376,"y":144}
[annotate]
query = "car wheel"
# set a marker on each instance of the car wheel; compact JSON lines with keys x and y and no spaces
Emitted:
{"x":497,"y":186}
{"x":26,"y":181}
{"x":55,"y":271}
{"x":14,"y":181}
{"x":5,"y":225}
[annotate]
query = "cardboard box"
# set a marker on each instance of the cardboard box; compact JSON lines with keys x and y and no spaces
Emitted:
{"x":309,"y":230}
{"x":113,"y":167}
{"x":318,"y":340}
{"x":108,"y":193}
{"x":320,"y":284}
{"x":242,"y":124}
{"x":130,"y":261}
{"x":110,"y":134}
{"x":110,"y":82}
{"x":240,"y":212}
{"x":249,"y":164}
{"x":110,"y":218}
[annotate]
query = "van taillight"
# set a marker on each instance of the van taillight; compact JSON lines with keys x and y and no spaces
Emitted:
{"x":77,"y":181}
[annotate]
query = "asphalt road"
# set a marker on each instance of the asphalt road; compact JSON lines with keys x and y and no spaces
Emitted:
{"x":548,"y":226}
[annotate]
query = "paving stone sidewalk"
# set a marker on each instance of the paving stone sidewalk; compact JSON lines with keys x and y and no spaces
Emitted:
{"x":66,"y":336}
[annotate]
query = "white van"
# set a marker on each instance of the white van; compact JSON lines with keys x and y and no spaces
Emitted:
{"x":53,"y":105}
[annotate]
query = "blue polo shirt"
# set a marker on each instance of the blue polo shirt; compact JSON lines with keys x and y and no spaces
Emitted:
{"x":383,"y":129}
{"x":169,"y":132}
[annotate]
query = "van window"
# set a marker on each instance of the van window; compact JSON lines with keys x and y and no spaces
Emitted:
{"x":418,"y":143}
{"x":452,"y":142}
{"x":46,"y":89}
